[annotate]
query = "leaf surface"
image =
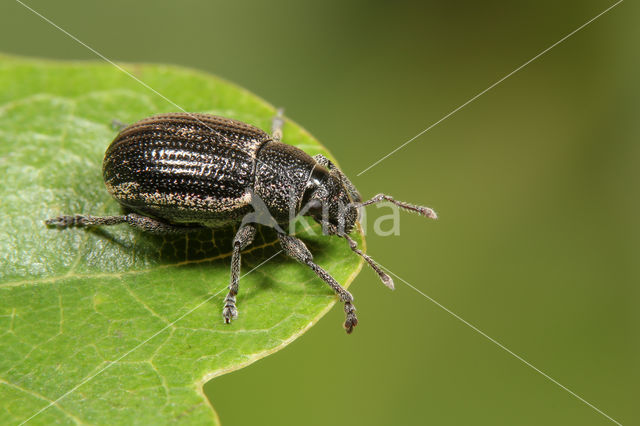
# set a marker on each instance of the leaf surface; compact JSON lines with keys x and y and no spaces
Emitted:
{"x":127,"y":326}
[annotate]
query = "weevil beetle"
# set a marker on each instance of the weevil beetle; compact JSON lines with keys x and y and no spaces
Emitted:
{"x":175,"y":173}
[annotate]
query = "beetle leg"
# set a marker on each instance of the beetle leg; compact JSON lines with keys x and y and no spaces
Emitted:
{"x":140,"y":222}
{"x":276,"y":125}
{"x":295,"y":248}
{"x":386,"y":279}
{"x":243,"y":238}
{"x":118,"y":125}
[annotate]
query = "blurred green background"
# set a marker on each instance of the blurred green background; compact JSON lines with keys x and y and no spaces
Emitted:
{"x":536,"y":184}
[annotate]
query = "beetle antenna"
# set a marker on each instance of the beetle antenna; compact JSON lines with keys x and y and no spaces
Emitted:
{"x":386,"y":279}
{"x":421,"y":210}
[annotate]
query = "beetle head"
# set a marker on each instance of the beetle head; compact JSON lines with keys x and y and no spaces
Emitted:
{"x":329,"y":198}
{"x":333,"y":201}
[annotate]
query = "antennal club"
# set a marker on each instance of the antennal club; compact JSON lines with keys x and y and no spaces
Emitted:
{"x":386,"y":279}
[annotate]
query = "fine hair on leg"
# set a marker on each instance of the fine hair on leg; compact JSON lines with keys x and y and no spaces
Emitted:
{"x":243,"y":238}
{"x":386,"y":279}
{"x":143,"y":223}
{"x":295,"y":248}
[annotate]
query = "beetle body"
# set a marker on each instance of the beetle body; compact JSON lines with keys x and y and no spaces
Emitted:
{"x":204,"y":169}
{"x":178,"y":172}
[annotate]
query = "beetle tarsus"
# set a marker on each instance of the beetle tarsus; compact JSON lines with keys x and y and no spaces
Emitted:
{"x":230,"y":312}
{"x":62,"y":222}
{"x":351,"y":320}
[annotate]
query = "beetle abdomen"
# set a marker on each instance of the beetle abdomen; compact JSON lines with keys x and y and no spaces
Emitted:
{"x":184,"y":167}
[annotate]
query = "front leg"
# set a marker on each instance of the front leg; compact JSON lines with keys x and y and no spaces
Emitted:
{"x":295,"y":248}
{"x":243,"y":238}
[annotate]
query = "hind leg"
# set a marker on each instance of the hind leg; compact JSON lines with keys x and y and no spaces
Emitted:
{"x":137,"y":221}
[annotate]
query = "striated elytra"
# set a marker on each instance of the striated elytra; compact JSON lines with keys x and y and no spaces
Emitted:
{"x":175,"y":173}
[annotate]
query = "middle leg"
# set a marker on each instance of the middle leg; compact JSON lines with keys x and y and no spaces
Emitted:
{"x":243,"y":238}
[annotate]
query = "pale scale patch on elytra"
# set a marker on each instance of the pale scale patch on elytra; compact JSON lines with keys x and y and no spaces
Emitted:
{"x":122,"y":190}
{"x":189,"y":201}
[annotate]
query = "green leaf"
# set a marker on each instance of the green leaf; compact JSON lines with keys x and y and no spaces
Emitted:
{"x":147,"y":308}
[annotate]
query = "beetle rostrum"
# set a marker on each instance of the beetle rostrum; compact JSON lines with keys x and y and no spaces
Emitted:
{"x":175,"y":173}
